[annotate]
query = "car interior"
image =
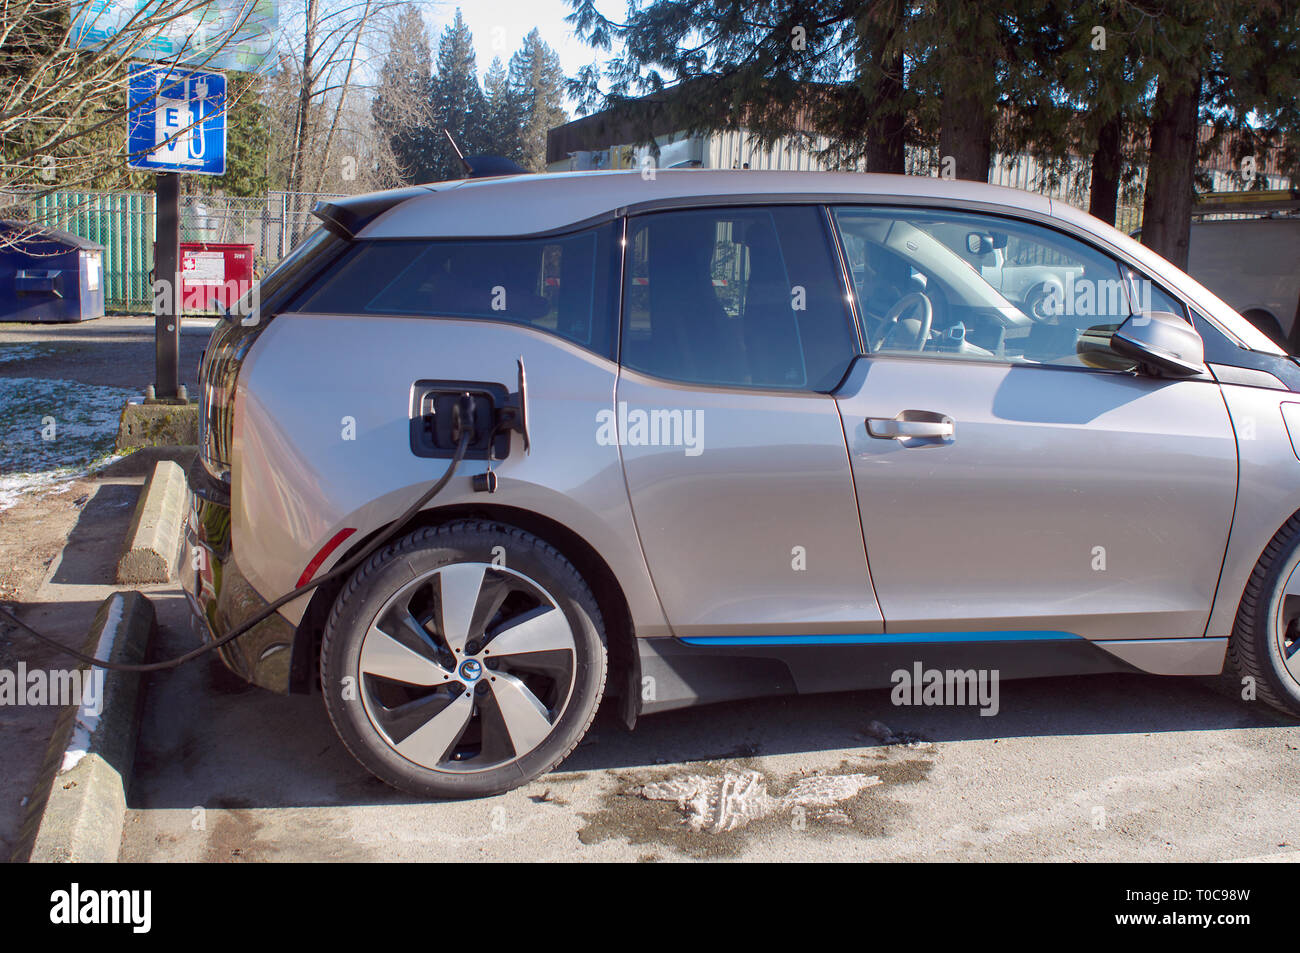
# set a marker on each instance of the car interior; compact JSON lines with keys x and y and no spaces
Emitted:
{"x":976,"y":287}
{"x":745,"y":297}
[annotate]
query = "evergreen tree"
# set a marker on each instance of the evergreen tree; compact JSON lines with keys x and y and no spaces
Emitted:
{"x":775,"y":68}
{"x":978,"y":78}
{"x":504,"y":126}
{"x":402,"y":107}
{"x":537,"y":80}
{"x":1234,"y":64}
{"x":458,"y":103}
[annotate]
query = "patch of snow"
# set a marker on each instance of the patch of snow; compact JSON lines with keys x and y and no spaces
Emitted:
{"x":51,"y":431}
{"x":87,"y":719}
{"x":21,"y":352}
{"x":730,"y":801}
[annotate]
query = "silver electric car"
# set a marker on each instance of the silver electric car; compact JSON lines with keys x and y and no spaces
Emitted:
{"x":728,"y":434}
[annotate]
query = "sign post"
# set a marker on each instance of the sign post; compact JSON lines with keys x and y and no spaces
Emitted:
{"x":176,"y":123}
{"x":167,"y":267}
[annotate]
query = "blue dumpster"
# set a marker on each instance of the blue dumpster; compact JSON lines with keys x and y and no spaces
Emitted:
{"x":49,"y":275}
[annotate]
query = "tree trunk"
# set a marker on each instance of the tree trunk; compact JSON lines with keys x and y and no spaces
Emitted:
{"x":343,"y":93}
{"x":887,"y":120}
{"x":1107,"y":164}
{"x":965,"y":136}
{"x":1171,"y":169}
{"x":306,"y":81}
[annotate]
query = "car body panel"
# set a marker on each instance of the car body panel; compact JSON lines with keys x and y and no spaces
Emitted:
{"x":1198,"y":656}
{"x":297,"y":481}
{"x":1269,"y":491}
{"x":758,"y":531}
{"x":1068,"y":500}
{"x":532,"y":204}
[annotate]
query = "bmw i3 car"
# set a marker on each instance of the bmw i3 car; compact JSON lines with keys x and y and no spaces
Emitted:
{"x":720,"y":435}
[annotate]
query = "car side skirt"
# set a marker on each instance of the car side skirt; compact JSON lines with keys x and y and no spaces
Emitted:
{"x":680,"y":673}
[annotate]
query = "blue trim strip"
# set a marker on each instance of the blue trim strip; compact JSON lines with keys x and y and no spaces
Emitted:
{"x":884,"y":638}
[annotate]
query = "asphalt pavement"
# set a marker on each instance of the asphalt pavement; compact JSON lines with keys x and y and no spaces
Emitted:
{"x":1104,"y":767}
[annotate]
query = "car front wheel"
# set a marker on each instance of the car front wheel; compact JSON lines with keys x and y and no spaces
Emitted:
{"x":1265,"y":643}
{"x":463,"y":660}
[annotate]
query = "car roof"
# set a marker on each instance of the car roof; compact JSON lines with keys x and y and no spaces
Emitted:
{"x":533,"y":204}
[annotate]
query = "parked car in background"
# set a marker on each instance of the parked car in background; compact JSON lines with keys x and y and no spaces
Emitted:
{"x":1252,"y":263}
{"x":748,"y":433}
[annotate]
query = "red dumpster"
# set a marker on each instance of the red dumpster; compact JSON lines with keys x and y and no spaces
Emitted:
{"x":214,"y":275}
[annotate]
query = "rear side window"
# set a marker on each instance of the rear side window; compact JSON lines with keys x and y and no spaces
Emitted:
{"x":745,"y":297}
{"x":562,"y":284}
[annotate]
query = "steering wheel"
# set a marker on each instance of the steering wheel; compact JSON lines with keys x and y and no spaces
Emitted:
{"x":1043,"y":300}
{"x":909,"y":302}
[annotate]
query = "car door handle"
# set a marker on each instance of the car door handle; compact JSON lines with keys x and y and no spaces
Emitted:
{"x":902,"y":428}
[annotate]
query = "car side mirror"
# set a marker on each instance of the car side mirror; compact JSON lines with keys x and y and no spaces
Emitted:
{"x":1163,"y":342}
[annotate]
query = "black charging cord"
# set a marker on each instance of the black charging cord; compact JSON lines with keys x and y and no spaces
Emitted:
{"x":466,"y":435}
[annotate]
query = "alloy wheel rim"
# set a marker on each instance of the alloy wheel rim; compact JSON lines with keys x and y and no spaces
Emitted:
{"x":467,"y":668}
{"x":1286,"y":624}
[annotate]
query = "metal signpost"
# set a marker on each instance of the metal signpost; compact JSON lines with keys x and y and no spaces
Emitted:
{"x":177,"y":120}
{"x":176,"y":124}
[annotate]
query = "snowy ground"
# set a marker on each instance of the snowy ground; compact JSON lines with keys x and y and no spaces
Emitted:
{"x":10,"y":353}
{"x":52,"y":431}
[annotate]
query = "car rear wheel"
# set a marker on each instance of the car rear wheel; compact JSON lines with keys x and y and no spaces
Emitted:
{"x":463,"y":660}
{"x":1265,"y":642}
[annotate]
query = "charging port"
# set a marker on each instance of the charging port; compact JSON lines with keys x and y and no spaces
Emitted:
{"x":437,"y":415}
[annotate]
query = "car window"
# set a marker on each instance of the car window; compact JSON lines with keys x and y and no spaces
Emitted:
{"x":745,"y":297}
{"x":961,"y":285}
{"x":557,"y":284}
{"x":1147,"y":296}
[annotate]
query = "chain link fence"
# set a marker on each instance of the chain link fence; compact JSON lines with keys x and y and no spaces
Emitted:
{"x":272,"y":225}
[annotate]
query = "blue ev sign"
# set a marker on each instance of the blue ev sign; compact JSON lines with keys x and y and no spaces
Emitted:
{"x":177,"y":120}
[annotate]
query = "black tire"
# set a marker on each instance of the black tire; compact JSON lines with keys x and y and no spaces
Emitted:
{"x":372,"y":718}
{"x":1255,"y":648}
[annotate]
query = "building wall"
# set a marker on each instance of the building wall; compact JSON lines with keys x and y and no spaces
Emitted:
{"x":737,"y":149}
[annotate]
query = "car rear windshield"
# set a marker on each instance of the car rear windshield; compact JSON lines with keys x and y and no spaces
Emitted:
{"x":560,"y":284}
{"x":295,"y":267}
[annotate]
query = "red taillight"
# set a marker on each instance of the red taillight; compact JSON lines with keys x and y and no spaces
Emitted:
{"x":323,"y":555}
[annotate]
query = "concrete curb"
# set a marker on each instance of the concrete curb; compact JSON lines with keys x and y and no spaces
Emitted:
{"x":78,"y":807}
{"x":158,"y":425}
{"x":153,"y":541}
